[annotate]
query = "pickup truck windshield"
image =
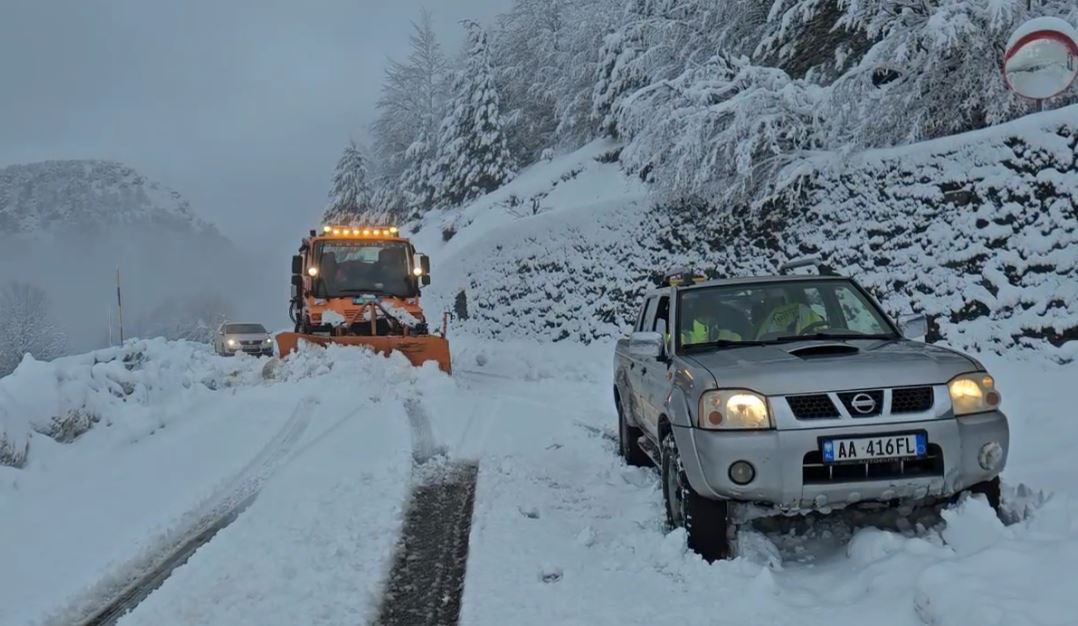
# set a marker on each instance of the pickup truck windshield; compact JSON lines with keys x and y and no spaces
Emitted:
{"x":777,"y":312}
{"x":355,"y":267}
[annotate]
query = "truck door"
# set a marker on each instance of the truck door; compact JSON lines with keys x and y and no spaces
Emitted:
{"x":654,"y":384}
{"x":635,"y":399}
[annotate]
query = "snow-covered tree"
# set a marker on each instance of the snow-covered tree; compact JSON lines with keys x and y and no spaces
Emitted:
{"x":720,"y":130}
{"x":26,"y":326}
{"x":528,"y":45}
{"x":473,"y":158}
{"x":351,"y":191}
{"x":410,"y":110}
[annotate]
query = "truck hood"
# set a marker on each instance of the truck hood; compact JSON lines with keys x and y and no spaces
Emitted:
{"x":819,"y":366}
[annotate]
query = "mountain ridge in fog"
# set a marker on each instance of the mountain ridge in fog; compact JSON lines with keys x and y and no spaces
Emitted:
{"x":66,"y":226}
{"x":88,"y":193}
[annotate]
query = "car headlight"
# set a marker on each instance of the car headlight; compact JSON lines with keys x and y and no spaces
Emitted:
{"x":733,"y":409}
{"x":268,"y":341}
{"x":973,"y":393}
{"x":232,"y":342}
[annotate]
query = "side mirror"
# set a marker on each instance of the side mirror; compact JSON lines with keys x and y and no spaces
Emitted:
{"x":647,"y":345}
{"x":422,"y":262}
{"x":297,"y":281}
{"x":913,"y":326}
{"x":297,"y":264}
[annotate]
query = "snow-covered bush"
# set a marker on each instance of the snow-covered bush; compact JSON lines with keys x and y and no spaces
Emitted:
{"x":26,"y":326}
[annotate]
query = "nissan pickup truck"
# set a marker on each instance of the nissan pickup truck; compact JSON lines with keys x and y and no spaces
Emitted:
{"x":794,"y":394}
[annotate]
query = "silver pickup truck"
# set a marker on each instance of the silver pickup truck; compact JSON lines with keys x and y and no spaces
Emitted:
{"x":793,"y":394}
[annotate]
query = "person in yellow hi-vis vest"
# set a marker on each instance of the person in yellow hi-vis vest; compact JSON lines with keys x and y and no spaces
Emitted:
{"x":790,"y":317}
{"x":701,"y":324}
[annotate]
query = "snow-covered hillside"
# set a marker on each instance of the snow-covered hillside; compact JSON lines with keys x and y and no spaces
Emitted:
{"x":87,"y":196}
{"x":979,"y":231}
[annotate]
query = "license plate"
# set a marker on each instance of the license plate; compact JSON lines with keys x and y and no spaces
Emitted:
{"x":882,"y":447}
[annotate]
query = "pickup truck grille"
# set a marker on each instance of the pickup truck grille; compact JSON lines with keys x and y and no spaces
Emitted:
{"x":815,"y":472}
{"x":812,"y":407}
{"x":911,"y":399}
{"x":852,"y":399}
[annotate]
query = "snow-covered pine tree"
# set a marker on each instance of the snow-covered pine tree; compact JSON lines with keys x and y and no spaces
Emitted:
{"x":27,"y":327}
{"x":351,"y":192}
{"x":529,"y":44}
{"x":473,"y":158}
{"x":410,"y":110}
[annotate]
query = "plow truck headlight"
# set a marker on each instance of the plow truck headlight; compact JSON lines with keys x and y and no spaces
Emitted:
{"x":418,"y":271}
{"x":232,"y":343}
{"x":973,"y":393}
{"x":313,"y":271}
{"x":734,"y":409}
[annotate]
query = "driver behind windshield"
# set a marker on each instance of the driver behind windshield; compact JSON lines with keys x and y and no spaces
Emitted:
{"x":789,"y":314}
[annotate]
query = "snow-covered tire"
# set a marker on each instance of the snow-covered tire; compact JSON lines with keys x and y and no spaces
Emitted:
{"x":990,"y":489}
{"x":629,"y":441}
{"x":706,"y":521}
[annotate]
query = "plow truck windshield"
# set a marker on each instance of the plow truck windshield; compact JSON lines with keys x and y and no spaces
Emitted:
{"x":349,"y":268}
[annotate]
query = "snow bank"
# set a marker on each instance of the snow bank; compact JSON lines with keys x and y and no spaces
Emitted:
{"x":64,"y":398}
{"x":979,"y":231}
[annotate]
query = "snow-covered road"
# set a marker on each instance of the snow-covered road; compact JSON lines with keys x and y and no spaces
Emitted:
{"x":562,"y":532}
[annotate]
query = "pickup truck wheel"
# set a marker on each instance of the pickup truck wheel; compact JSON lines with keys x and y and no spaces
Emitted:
{"x":705,"y":521}
{"x":629,"y":442}
{"x":990,"y":490}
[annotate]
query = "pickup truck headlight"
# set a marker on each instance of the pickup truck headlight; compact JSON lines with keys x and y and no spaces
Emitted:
{"x":733,"y":409}
{"x":973,"y":393}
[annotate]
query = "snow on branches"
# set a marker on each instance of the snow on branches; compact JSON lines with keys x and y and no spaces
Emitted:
{"x":351,"y":192}
{"x":718,"y":131}
{"x":473,"y":158}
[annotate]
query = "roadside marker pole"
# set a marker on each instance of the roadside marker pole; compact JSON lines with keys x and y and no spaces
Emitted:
{"x":119,"y":306}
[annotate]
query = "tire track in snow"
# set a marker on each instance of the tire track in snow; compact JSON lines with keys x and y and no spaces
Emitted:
{"x":126,"y":591}
{"x":426,"y":583}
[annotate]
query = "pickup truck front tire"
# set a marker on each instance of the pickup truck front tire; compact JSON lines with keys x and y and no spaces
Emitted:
{"x":705,"y":521}
{"x":629,"y":440}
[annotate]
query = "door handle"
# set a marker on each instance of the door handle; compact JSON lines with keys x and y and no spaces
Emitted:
{"x":632,"y":366}
{"x":643,"y":371}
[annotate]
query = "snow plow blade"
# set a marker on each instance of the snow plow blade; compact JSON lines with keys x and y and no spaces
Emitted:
{"x":418,"y":350}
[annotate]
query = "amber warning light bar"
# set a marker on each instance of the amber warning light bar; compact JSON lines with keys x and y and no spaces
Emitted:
{"x":362,"y":231}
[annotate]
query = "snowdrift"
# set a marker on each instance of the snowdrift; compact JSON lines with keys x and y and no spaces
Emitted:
{"x":979,"y":231}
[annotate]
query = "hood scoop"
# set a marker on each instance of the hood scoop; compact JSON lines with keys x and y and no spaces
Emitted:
{"x":824,"y":350}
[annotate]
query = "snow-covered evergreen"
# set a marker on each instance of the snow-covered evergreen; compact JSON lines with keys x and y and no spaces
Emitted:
{"x":27,"y":326}
{"x":410,"y":110}
{"x":473,"y":158}
{"x":351,"y":192}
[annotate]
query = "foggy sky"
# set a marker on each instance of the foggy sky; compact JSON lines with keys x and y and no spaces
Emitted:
{"x":242,"y":106}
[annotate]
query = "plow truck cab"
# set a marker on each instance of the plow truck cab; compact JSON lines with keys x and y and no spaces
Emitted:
{"x":361,"y":286}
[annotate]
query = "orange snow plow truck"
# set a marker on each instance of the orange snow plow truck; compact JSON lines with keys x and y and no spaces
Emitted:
{"x":360,"y":287}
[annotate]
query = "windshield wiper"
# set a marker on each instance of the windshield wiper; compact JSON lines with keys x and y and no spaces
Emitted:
{"x":720,"y":343}
{"x":815,"y":336}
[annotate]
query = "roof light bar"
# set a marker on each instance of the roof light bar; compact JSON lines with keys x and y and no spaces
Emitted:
{"x":360,"y":231}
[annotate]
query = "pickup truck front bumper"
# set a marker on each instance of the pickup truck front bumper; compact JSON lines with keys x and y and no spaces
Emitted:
{"x":791,"y":477}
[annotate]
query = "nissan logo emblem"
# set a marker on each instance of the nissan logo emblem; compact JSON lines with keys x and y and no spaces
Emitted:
{"x":863,"y":403}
